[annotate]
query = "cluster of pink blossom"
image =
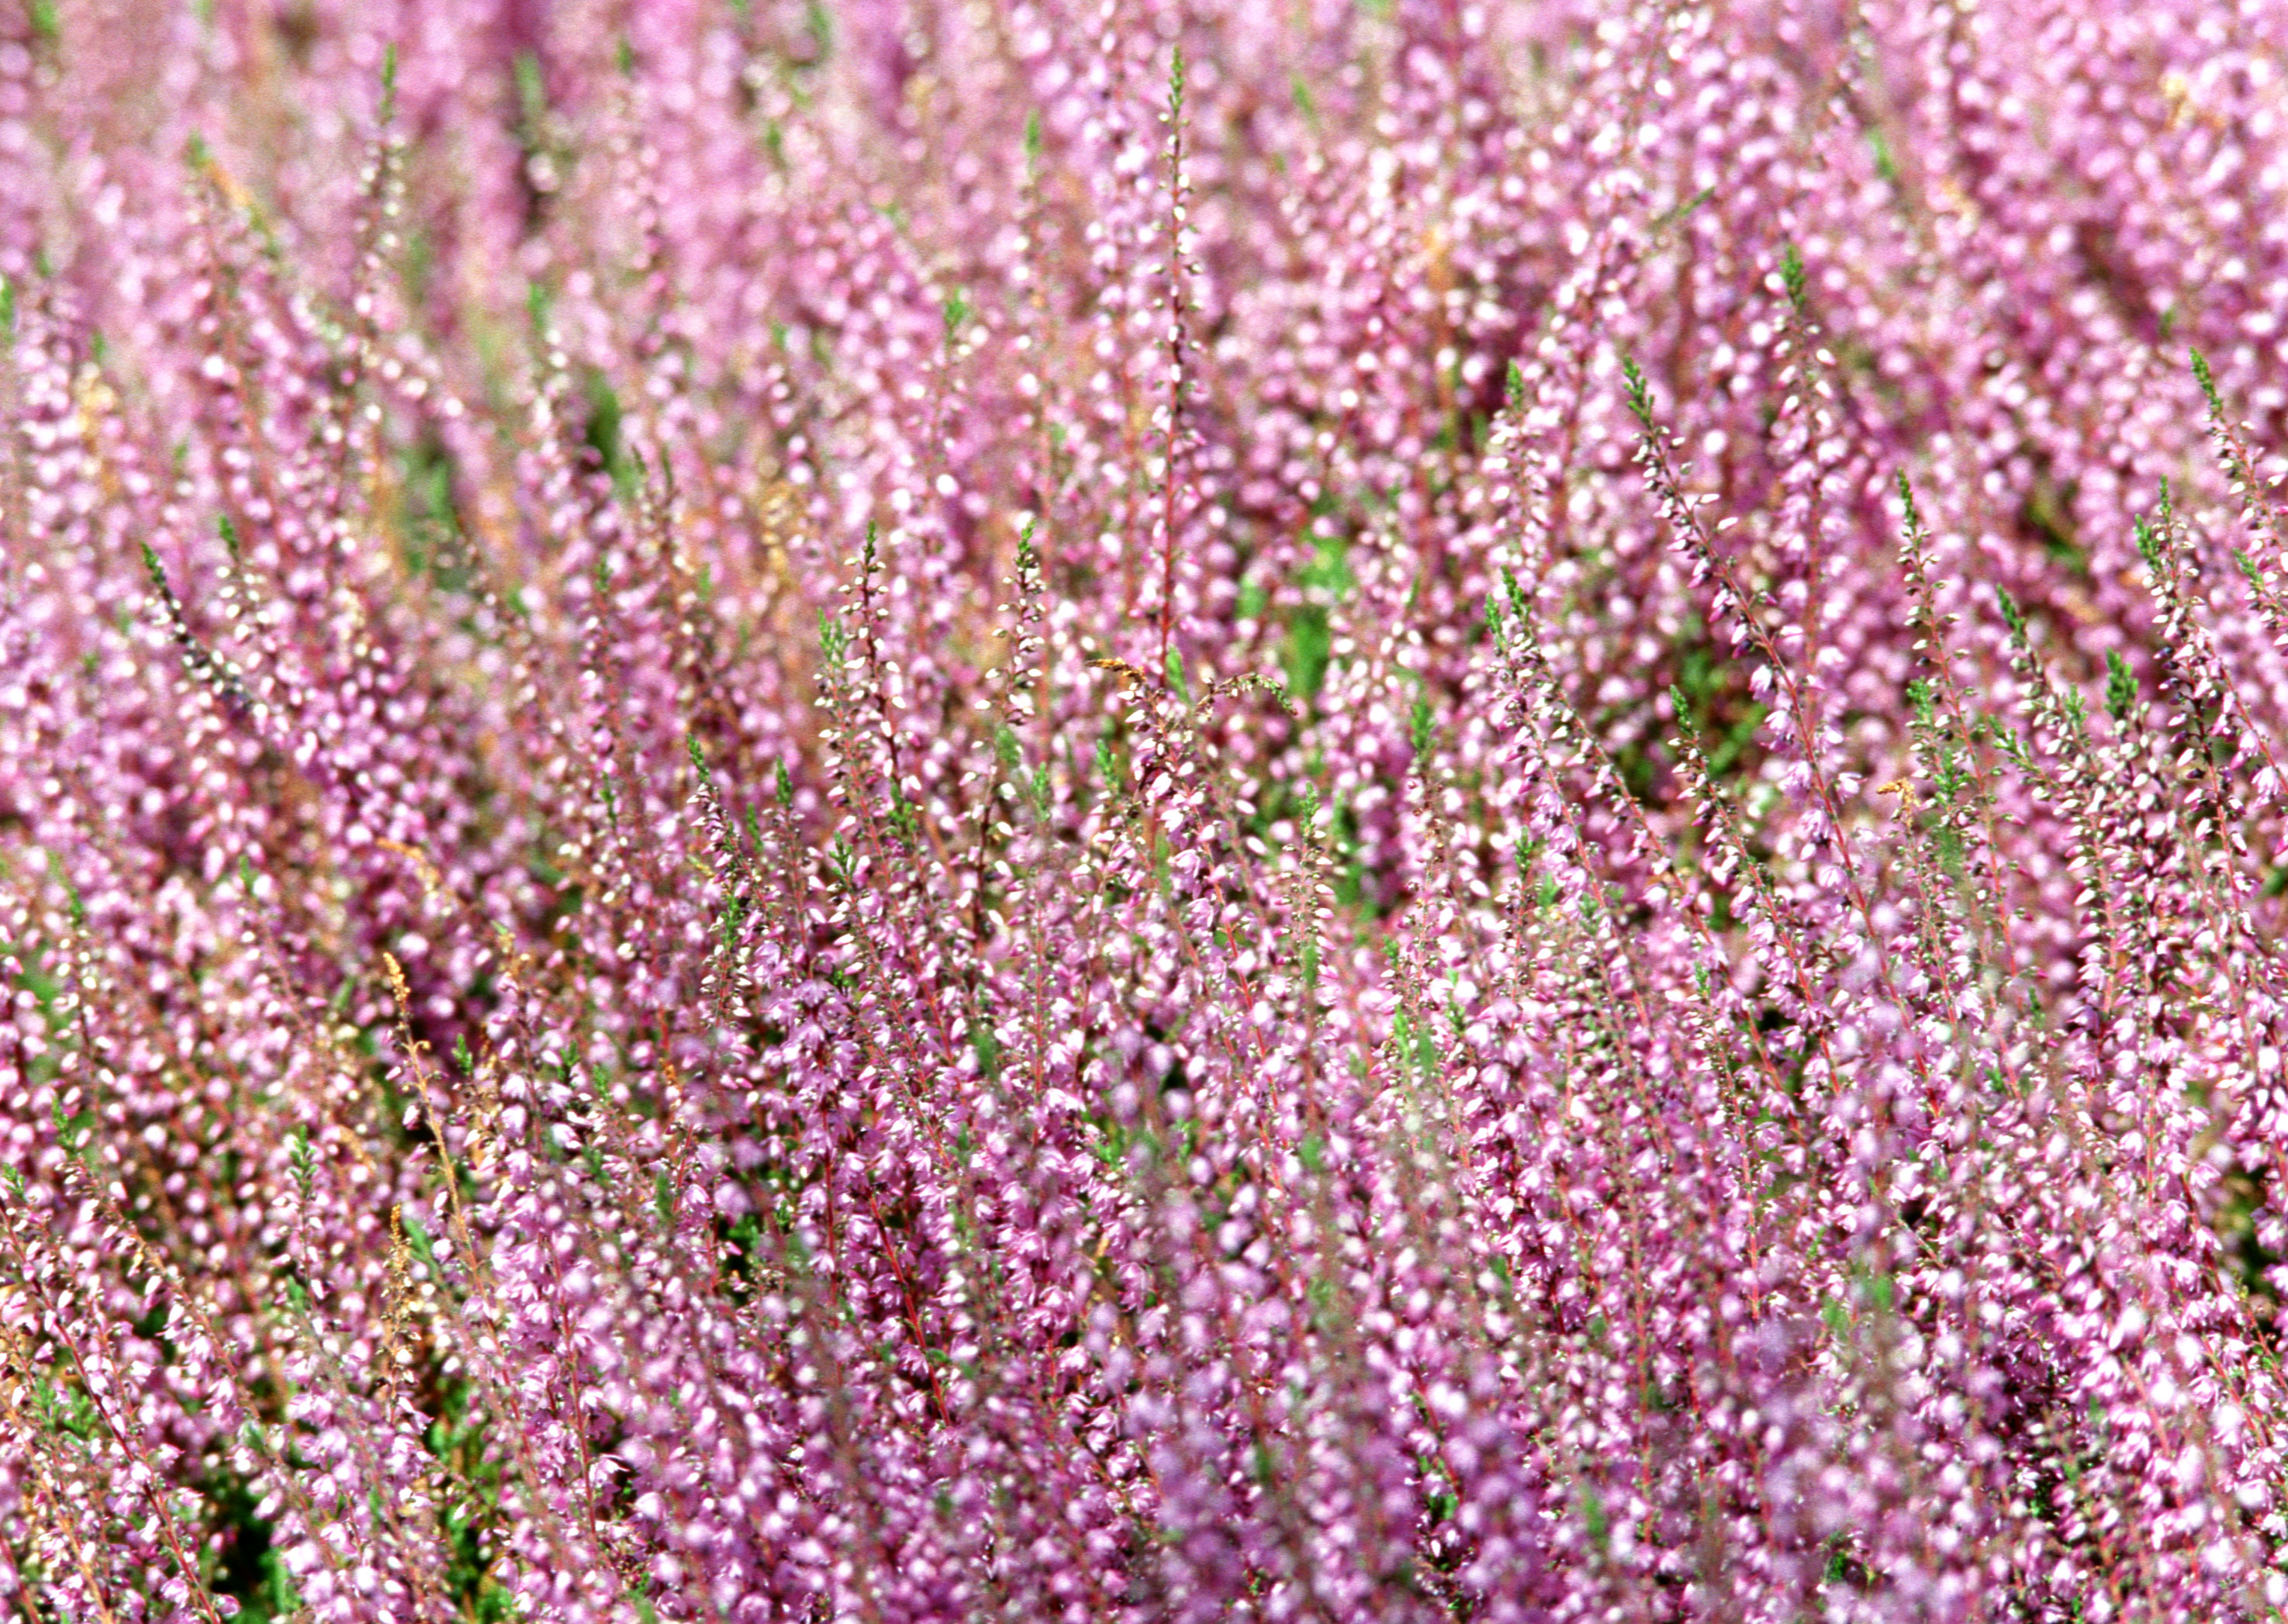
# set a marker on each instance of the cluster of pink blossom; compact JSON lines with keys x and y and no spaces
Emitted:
{"x":1091,"y":810}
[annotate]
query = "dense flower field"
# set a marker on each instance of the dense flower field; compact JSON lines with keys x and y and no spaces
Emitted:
{"x":1343,"y":810}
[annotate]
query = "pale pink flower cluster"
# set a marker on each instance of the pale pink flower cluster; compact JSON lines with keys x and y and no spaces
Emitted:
{"x":1363,"y":810}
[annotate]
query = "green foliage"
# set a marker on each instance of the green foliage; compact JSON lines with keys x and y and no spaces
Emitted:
{"x":2207,"y":380}
{"x":241,"y":1560}
{"x":986,"y":1044}
{"x":2120,"y":686}
{"x":601,"y":432}
{"x":1308,"y":647}
{"x":472,"y":1520}
{"x":1640,"y":394}
{"x":431,"y":538}
{"x":1792,"y":277}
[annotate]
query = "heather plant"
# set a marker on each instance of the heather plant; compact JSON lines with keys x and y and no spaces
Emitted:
{"x":1158,"y":811}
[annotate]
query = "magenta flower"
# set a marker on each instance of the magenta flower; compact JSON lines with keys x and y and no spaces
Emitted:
{"x":1340,"y":813}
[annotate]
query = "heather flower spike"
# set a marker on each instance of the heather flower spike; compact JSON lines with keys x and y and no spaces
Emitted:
{"x":1158,"y":813}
